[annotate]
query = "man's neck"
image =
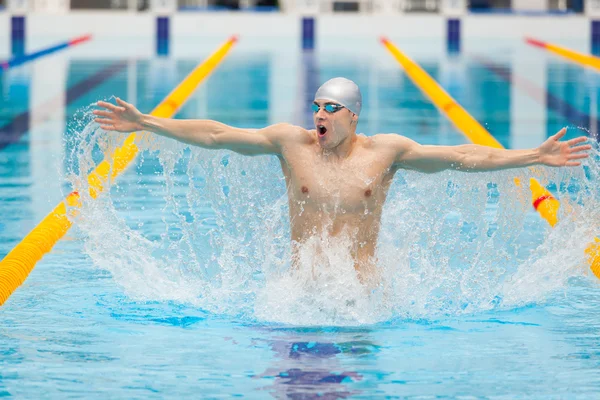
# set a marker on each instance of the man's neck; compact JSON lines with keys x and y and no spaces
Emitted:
{"x":342,"y":150}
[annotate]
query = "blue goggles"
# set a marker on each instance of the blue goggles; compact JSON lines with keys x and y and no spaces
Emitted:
{"x":330,"y":108}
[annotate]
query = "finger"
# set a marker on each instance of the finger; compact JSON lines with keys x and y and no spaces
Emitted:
{"x":573,"y":164}
{"x":103,"y":113}
{"x":103,"y":121}
{"x":560,"y":134}
{"x":108,"y":127}
{"x":577,"y":140}
{"x":577,"y":156}
{"x":123,"y":103}
{"x":109,"y":106}
{"x":581,"y":148}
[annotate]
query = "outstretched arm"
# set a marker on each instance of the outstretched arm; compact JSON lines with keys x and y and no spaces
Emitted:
{"x":124,"y":117}
{"x":473,"y":158}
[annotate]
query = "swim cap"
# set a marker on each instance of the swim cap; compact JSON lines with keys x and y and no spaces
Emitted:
{"x":342,"y":91}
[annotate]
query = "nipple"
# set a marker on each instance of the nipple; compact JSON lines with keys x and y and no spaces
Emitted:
{"x":304,"y":189}
{"x":368,"y":193}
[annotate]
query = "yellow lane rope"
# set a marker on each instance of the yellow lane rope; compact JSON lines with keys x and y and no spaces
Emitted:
{"x":579,"y":58}
{"x":542,"y":200}
{"x":17,"y":264}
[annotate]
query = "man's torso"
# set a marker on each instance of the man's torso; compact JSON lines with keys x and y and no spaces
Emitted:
{"x":332,"y":196}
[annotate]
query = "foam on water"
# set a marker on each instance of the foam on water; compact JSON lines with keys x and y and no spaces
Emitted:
{"x":451,"y":243}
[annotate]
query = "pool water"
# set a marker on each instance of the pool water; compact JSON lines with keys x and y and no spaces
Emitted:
{"x":177,"y":283}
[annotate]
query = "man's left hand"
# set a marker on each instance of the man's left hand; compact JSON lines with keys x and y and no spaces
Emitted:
{"x":555,"y":153}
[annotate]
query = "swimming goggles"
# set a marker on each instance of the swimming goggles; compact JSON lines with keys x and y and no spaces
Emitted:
{"x":330,"y":108}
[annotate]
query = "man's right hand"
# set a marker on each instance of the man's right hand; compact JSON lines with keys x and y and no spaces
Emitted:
{"x":122,"y":118}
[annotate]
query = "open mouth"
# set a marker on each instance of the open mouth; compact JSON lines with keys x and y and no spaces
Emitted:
{"x":321,"y":130}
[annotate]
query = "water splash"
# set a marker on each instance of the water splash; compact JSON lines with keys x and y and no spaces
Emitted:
{"x":210,"y":228}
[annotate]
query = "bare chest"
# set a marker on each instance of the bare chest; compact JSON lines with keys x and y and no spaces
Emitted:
{"x":358,"y":185}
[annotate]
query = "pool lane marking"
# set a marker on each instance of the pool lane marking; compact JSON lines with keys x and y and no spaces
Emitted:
{"x":546,"y":205}
{"x":571,"y":55}
{"x":20,"y":124}
{"x":17,"y":264}
{"x":555,"y":103}
{"x":19,"y":60}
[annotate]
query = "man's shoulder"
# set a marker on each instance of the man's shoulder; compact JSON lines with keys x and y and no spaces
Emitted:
{"x":286,"y":130}
{"x":289,"y":133}
{"x":387,"y":140}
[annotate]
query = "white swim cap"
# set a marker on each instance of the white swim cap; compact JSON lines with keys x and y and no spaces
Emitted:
{"x":342,"y":91}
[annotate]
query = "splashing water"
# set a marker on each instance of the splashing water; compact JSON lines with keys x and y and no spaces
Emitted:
{"x":211,"y":228}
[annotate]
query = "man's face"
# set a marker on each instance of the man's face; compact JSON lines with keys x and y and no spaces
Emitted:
{"x":333,"y":122}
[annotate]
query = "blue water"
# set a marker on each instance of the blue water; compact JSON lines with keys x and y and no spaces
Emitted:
{"x":169,"y":286}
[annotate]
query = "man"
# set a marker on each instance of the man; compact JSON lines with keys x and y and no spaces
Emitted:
{"x":337,"y":181}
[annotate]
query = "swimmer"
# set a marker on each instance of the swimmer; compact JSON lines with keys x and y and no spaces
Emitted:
{"x":337,"y":181}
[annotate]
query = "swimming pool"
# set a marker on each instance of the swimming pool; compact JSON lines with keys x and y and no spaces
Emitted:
{"x":175,"y":285}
